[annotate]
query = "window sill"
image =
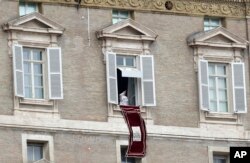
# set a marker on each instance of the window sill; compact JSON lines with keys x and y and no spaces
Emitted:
{"x":221,"y":115}
{"x":118,"y":108}
{"x":221,"y":118}
{"x":37,"y":102}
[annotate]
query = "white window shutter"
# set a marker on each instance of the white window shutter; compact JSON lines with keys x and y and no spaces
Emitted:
{"x":239,"y":89}
{"x":18,"y":70}
{"x":55,"y":73}
{"x":203,"y":85}
{"x":111,"y":78}
{"x":148,"y":81}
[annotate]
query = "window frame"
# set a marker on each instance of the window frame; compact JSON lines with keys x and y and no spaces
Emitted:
{"x":210,"y":26}
{"x":40,"y":139}
{"x":119,"y":16}
{"x":44,"y":74}
{"x":218,"y":151}
{"x":35,"y":144}
{"x":119,"y":144}
{"x":25,"y":5}
{"x":228,"y":88}
{"x":221,"y":156}
{"x":137,"y":80}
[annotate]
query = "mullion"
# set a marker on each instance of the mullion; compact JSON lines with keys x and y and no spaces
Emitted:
{"x":216,"y":87}
{"x":32,"y":76}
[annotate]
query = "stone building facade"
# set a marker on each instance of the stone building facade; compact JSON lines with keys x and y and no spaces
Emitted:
{"x":188,"y":62}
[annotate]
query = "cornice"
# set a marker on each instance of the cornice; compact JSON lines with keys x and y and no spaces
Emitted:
{"x":221,"y":8}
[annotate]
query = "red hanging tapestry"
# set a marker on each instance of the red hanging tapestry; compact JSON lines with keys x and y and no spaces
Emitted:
{"x":137,"y":130}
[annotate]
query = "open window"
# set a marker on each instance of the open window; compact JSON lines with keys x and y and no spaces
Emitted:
{"x":129,"y":66}
{"x":219,"y":57}
{"x":132,"y":78}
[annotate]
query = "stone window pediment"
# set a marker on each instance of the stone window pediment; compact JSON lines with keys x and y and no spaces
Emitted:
{"x":34,"y":22}
{"x":219,"y":37}
{"x":127,"y":29}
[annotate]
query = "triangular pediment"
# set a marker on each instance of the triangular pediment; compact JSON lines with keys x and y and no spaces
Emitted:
{"x":34,"y":22}
{"x":128,"y":29}
{"x":219,"y":37}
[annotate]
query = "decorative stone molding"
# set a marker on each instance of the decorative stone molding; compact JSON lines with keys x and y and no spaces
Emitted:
{"x":221,"y":8}
{"x":34,"y":31}
{"x":127,"y":37}
{"x":204,"y":42}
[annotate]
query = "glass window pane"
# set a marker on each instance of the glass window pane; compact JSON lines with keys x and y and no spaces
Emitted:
{"x":39,"y":93}
{"x":119,"y":60}
{"x":212,"y":94}
{"x":115,"y":20}
{"x":38,"y":68}
{"x":27,"y":67}
{"x":130,"y":61}
{"x":124,"y":14}
{"x":206,"y":28}
{"x":222,"y":83}
{"x":223,"y":95}
{"x":215,"y":22}
{"x":27,"y":80}
{"x":223,"y":107}
{"x":211,"y":69}
{"x":28,"y":92}
{"x":206,"y":21}
{"x":38,"y":81}
{"x":31,"y":7}
{"x":115,"y":13}
{"x":38,"y":153}
{"x":21,"y":8}
{"x":37,"y":55}
{"x":30,"y":153}
{"x":212,"y":82}
{"x":221,"y":70}
{"x":213,"y":105}
{"x":26,"y":54}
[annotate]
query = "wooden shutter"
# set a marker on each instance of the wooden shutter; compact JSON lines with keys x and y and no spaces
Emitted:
{"x":55,"y":73}
{"x":111,"y":78}
{"x":148,"y":82}
{"x":239,"y":90}
{"x":203,"y":85}
{"x":18,"y":70}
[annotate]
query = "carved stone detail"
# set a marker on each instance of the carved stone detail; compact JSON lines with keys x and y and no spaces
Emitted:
{"x":201,"y":7}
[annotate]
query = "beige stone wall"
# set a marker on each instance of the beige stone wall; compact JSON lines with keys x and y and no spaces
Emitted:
{"x":6,"y":95}
{"x":84,"y":73}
